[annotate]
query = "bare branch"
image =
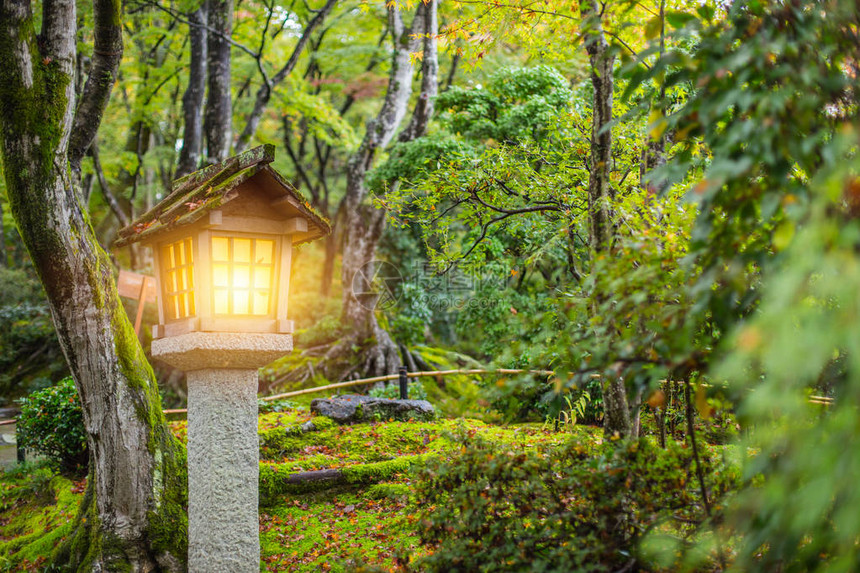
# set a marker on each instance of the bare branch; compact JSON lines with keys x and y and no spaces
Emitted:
{"x":264,"y":94}
{"x":179,"y":18}
{"x":110,"y":198}
{"x":517,"y":211}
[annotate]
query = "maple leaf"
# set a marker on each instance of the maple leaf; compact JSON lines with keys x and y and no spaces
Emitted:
{"x":141,"y":227}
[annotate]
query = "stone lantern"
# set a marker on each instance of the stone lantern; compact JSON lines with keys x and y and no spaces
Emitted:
{"x":222,"y":241}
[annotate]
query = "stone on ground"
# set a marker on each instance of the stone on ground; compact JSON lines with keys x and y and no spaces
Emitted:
{"x":352,"y":409}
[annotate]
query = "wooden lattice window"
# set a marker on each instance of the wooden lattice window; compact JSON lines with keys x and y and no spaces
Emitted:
{"x":178,"y":260}
{"x":242,"y":274}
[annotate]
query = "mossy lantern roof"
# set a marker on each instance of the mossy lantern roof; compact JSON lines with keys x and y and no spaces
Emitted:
{"x":214,"y":188}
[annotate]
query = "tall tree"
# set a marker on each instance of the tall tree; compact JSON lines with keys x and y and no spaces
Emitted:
{"x":617,"y":408}
{"x":192,"y":100}
{"x":363,"y":223}
{"x":219,"y":107}
{"x":132,"y":512}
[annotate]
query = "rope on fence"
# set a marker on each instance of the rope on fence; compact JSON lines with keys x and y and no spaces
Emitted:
{"x":396,"y":376}
{"x":361,"y":382}
{"x":822,"y":400}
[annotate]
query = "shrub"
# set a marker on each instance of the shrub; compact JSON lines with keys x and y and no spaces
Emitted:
{"x":325,"y":330}
{"x":51,"y":424}
{"x":497,"y":508}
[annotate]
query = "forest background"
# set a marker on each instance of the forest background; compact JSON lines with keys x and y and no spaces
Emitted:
{"x":627,"y":193}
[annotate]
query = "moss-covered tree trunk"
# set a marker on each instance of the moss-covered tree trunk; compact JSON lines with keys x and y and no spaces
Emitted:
{"x":364,"y":223}
{"x":132,"y":514}
{"x":3,"y":260}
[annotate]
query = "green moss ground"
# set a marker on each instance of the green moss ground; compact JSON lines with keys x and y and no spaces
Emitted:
{"x":364,"y":520}
{"x":337,"y":531}
{"x":369,"y":522}
{"x":340,"y":446}
{"x":37,"y":511}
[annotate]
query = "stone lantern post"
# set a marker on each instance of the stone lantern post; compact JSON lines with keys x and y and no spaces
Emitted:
{"x":222,"y":241}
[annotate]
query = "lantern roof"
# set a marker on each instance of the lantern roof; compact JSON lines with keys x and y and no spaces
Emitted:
{"x":212,"y":187}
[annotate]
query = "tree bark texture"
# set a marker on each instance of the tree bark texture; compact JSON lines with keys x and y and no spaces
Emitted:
{"x":363,"y":227}
{"x":219,"y":107}
{"x":192,"y":100}
{"x":132,"y":513}
{"x":600,"y":192}
{"x":264,"y":94}
{"x":364,"y":224}
{"x":617,"y":418}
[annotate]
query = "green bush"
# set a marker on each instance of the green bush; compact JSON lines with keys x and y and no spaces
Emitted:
{"x":327,"y":329}
{"x":52,"y":425}
{"x":568,"y":508}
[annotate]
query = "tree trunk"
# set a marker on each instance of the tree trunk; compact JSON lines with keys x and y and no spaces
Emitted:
{"x":332,"y":242}
{"x":616,"y":408}
{"x":600,"y":164}
{"x":364,"y":224}
{"x":219,"y":108}
{"x":192,"y":100}
{"x":132,"y":513}
{"x":428,"y":27}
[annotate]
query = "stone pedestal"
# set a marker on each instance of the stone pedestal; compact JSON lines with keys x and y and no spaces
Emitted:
{"x":223,"y":447}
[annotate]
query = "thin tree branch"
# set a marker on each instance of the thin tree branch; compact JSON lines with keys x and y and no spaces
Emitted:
{"x":110,"y":198}
{"x":264,"y":94}
{"x":178,"y":17}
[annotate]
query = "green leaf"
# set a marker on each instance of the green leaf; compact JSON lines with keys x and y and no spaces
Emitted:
{"x":653,"y":27}
{"x":678,"y":19}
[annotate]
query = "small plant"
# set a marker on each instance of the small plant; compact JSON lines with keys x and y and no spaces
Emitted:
{"x":575,"y":411}
{"x":392,"y":391}
{"x":51,"y":424}
{"x":266,"y":406}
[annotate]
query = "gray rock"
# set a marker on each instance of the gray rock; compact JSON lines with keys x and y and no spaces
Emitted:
{"x":308,"y":427}
{"x":352,"y":409}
